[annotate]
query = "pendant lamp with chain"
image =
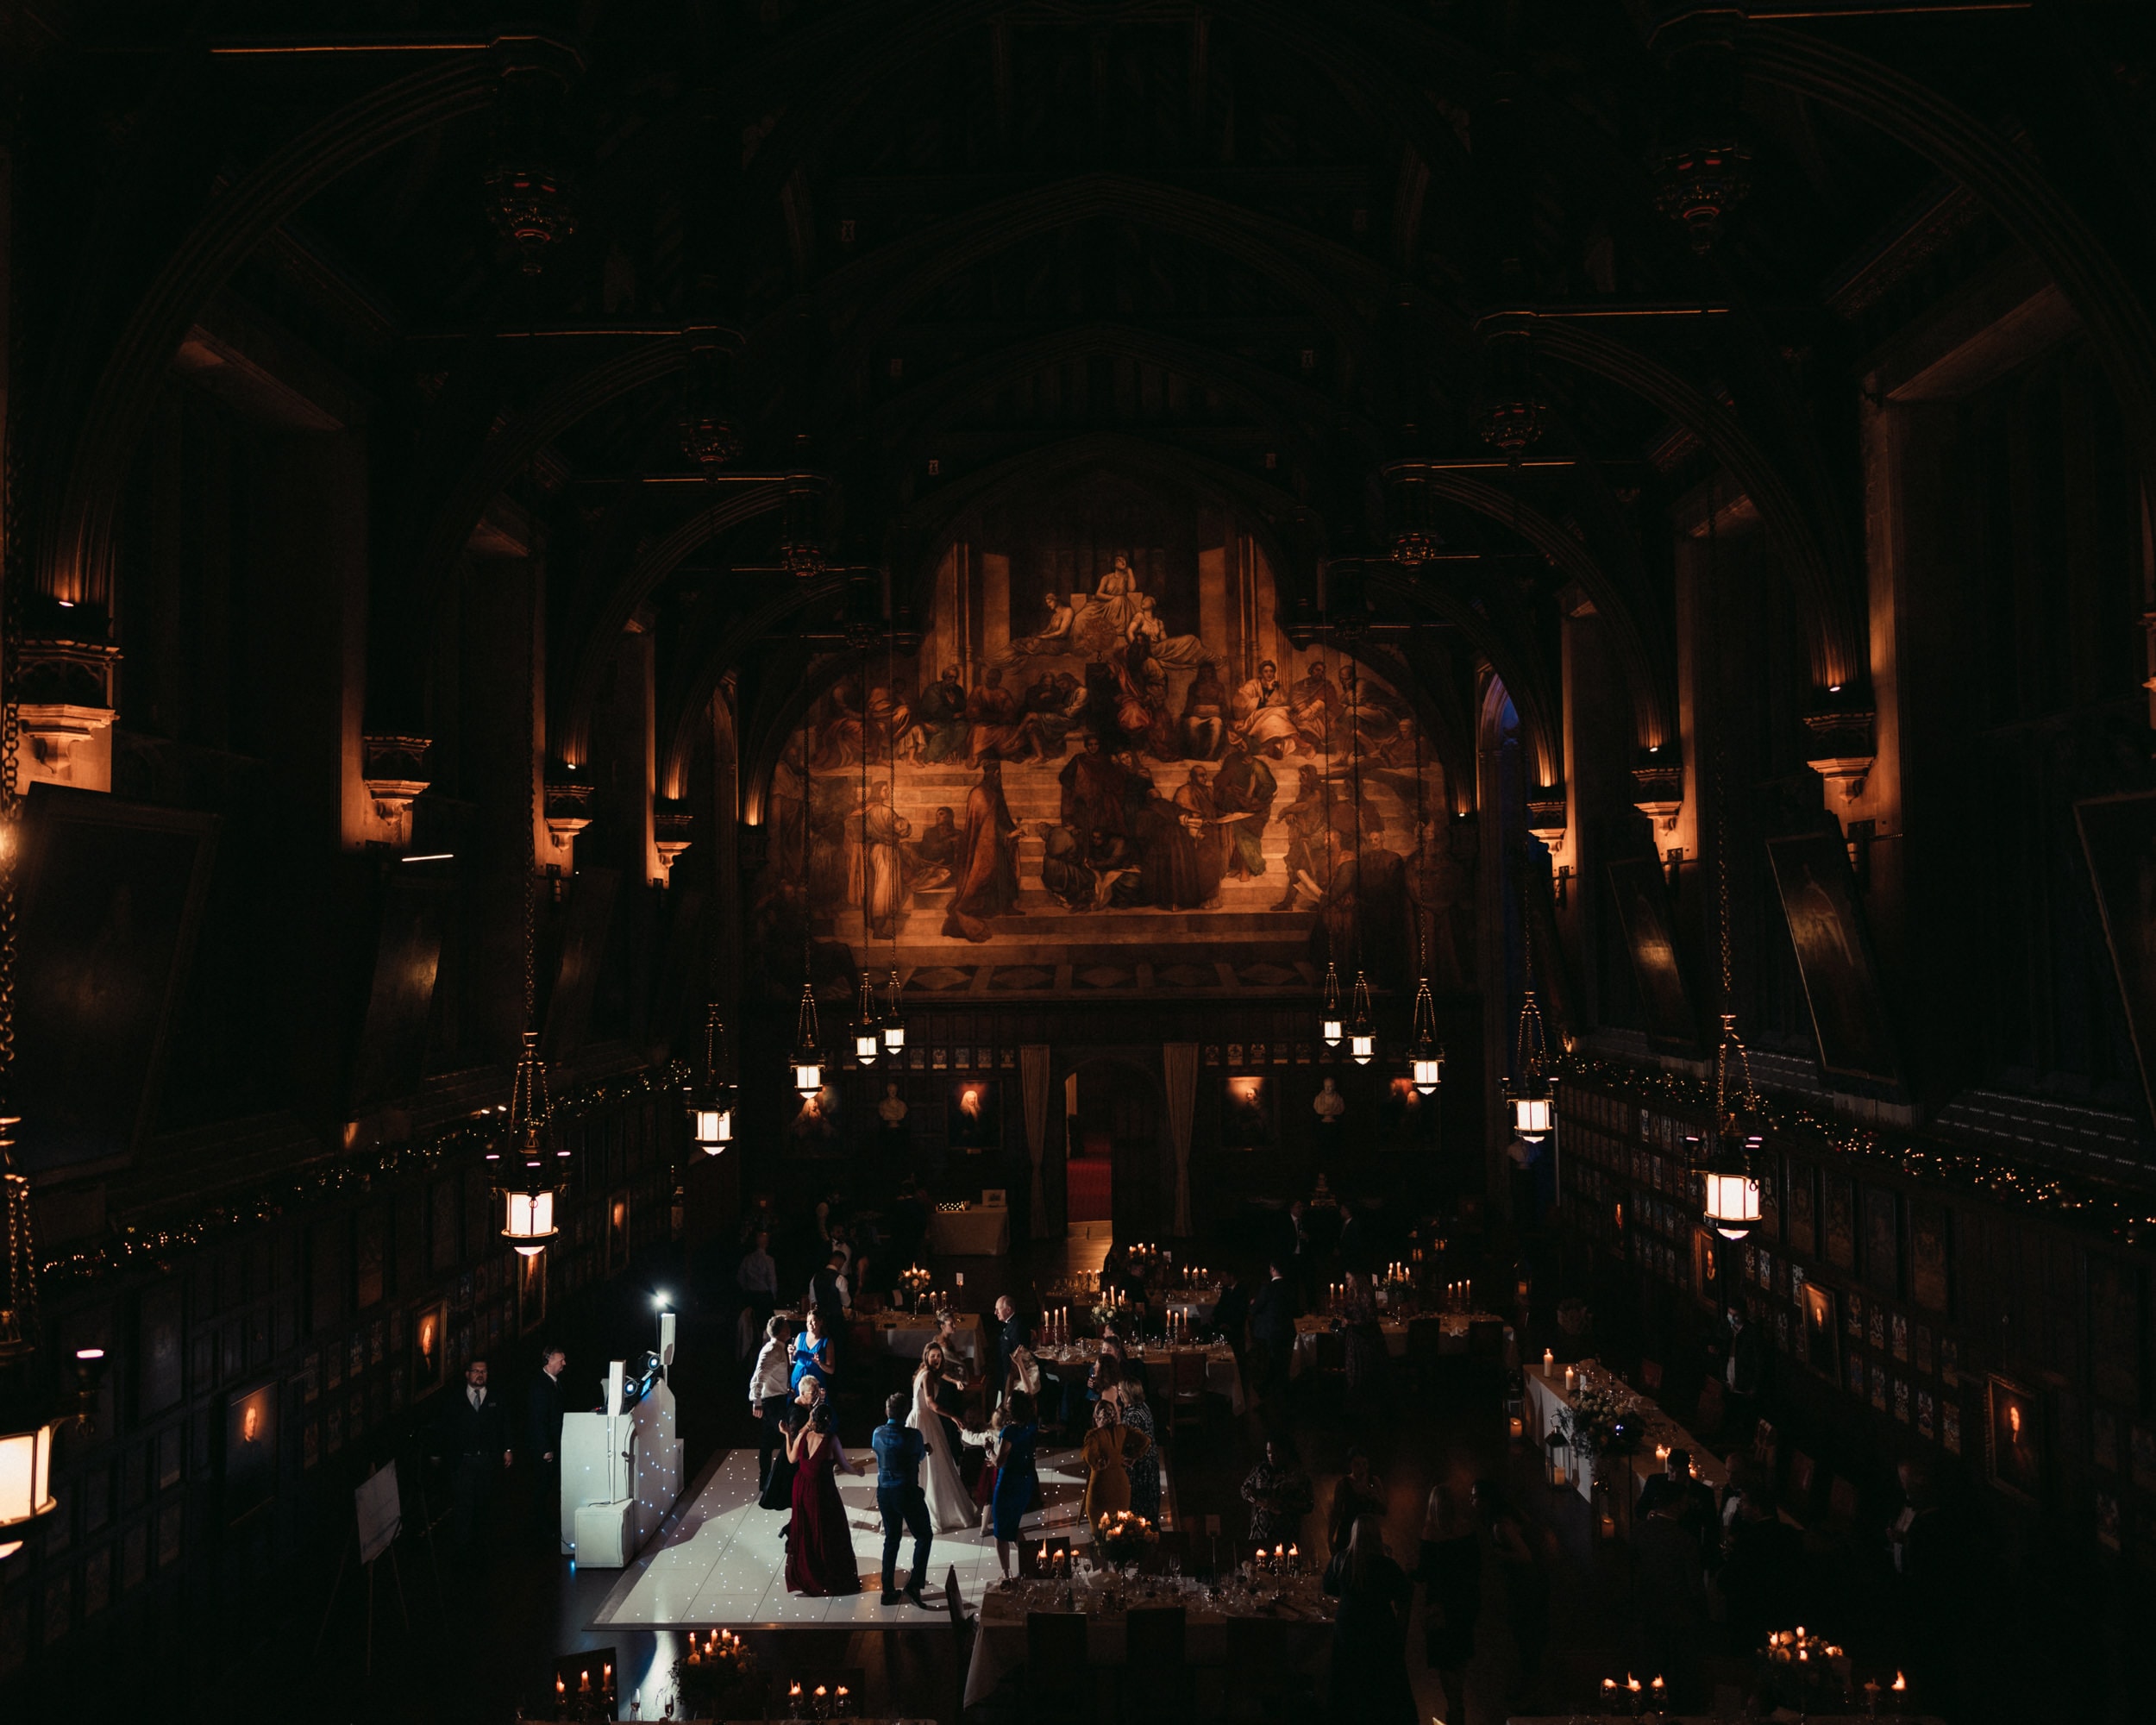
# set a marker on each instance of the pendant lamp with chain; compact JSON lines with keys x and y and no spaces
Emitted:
{"x":1728,"y":1171}
{"x":867,"y":1022}
{"x":807,"y":1060}
{"x":894,"y":1011}
{"x":711,"y":1105}
{"x":529,"y":1177}
{"x":1426,"y":1055}
{"x":1362,"y":1037}
{"x":1528,"y":1099}
{"x":1332,"y":1022}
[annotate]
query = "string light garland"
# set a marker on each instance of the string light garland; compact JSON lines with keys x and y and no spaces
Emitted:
{"x":136,"y":1246}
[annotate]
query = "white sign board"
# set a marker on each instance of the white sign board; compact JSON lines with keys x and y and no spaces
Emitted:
{"x":381,"y":1516}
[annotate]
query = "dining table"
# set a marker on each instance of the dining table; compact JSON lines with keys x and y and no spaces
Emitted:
{"x":1296,"y":1607}
{"x":1223,"y":1376}
{"x":1452,"y":1334}
{"x":1549,"y":1394}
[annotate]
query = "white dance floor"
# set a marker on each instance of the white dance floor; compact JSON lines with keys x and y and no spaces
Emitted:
{"x":719,"y":1560}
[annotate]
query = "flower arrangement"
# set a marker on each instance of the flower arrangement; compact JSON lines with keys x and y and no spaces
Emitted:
{"x":1803,"y":1672}
{"x":709,"y":1674}
{"x":1125,"y":1538}
{"x":1597,"y":1423}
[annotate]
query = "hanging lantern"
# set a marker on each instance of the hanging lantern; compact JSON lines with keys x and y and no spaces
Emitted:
{"x":1425,"y":1059}
{"x":1512,"y":412}
{"x":1362,"y":1028}
{"x":894,"y":1021}
{"x":1700,"y":183}
{"x":1331,"y":1025}
{"x":712,"y":1106}
{"x":529,"y":197}
{"x":26,"y":1475}
{"x":1731,"y":1194}
{"x":808,"y":1054}
{"x":528,"y":1213}
{"x":1411,"y":512}
{"x":1533,"y":1109}
{"x":867,"y":1030}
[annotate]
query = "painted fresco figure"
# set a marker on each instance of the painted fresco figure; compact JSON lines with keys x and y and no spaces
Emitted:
{"x":993,"y":712}
{"x":1103,"y":622}
{"x":1054,"y":706}
{"x":936,"y":852}
{"x":988,"y":882}
{"x":1168,"y":875}
{"x":1263,"y":717}
{"x":1175,"y":652}
{"x":1064,"y":871}
{"x":1204,"y":724}
{"x":1247,"y":786}
{"x":1312,"y":703}
{"x":1200,"y":817}
{"x":876,"y":876}
{"x":1305,"y":821}
{"x":940,"y":727}
{"x":1092,"y":800}
{"x":1053,"y":638}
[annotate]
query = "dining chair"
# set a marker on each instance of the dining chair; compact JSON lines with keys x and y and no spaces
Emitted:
{"x":1186,"y":1393}
{"x":1156,"y":1679}
{"x":1059,"y":1680}
{"x":1425,"y":1359}
{"x":1260,"y":1685}
{"x":961,"y":1627}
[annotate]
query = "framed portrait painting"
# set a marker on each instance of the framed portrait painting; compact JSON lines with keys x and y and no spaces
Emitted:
{"x":2014,"y":1444}
{"x":973,"y":1115}
{"x":1706,"y":1277}
{"x":1930,"y":1249}
{"x":1883,"y":1241}
{"x":617,"y":1230}
{"x":158,"y":1382}
{"x":430,"y":1350}
{"x":250,"y":1451}
{"x":1840,"y":1221}
{"x":1246,"y":1114}
{"x":1820,"y":1338}
{"x":1800,"y":1207}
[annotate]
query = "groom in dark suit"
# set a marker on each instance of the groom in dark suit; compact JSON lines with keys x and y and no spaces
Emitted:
{"x":900,"y":1453}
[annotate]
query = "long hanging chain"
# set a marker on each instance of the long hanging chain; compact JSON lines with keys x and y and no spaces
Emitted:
{"x":535,"y":771}
{"x":1731,"y":1043}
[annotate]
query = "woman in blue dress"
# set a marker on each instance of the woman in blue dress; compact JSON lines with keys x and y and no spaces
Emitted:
{"x":812,"y":1352}
{"x":1016,"y":1482}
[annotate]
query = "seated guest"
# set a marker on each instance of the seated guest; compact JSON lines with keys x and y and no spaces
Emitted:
{"x":1145,"y":1470}
{"x":1360,"y":1492}
{"x":1369,"y":1684}
{"x":1278,"y":1492}
{"x":813,"y":1352}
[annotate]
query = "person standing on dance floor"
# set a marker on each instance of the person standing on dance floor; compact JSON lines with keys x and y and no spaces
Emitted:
{"x":819,"y":1548}
{"x":899,"y":1453}
{"x":813,"y":1352}
{"x":1144,"y":1471}
{"x":768,"y":1391}
{"x":778,"y":1480}
{"x":1109,"y":1448}
{"x":1018,"y":1483}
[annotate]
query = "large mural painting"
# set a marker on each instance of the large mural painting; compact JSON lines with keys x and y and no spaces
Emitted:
{"x":1105,"y":740}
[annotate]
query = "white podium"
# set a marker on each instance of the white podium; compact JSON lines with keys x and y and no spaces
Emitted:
{"x":621,"y":1468}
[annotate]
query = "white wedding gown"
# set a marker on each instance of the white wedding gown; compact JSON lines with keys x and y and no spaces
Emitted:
{"x":950,"y":1508}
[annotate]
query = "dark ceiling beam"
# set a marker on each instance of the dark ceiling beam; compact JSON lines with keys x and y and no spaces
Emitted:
{"x":76,"y":546}
{"x":1828,"y":586}
{"x":1649,"y":673}
{"x":607,"y":614}
{"x":2010,"y":183}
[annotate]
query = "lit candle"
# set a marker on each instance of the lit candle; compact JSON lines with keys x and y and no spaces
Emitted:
{"x":1549,"y":1361}
{"x":1900,"y":1683}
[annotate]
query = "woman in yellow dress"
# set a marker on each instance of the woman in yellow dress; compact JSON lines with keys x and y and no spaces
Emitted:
{"x":1108,"y":1451}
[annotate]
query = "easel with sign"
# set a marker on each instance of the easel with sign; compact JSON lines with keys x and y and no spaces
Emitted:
{"x":378,"y":1519}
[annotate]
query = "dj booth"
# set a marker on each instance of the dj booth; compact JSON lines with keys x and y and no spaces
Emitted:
{"x":620,"y":1467}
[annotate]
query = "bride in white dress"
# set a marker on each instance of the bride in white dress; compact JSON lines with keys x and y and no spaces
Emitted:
{"x":949,"y":1506}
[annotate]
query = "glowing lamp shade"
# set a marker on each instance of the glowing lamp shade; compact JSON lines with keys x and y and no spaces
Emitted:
{"x":25,"y":1473}
{"x":1330,"y":1030}
{"x":713,"y":1128}
{"x":528,"y":1223}
{"x":1531,"y":1118}
{"x":1732,"y":1203}
{"x":894,"y":1038}
{"x":808,"y":1077}
{"x":1426,"y":1072}
{"x":868,"y":1044}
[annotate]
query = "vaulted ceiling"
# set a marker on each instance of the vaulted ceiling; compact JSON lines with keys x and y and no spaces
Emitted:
{"x":919,"y":256}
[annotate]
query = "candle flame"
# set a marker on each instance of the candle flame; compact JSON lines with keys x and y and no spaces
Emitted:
{"x":1901,"y":1682}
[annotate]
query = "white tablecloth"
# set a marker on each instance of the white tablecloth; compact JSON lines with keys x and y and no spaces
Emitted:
{"x":999,"y":1645}
{"x":1547,"y":1395}
{"x":973,"y":1232}
{"x":1452,"y":1338}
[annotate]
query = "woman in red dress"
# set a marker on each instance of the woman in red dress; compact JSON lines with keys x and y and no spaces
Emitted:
{"x":819,"y":1549}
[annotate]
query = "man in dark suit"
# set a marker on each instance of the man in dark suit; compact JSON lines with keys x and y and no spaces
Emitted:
{"x":1358,"y":1246}
{"x":474,"y":1438}
{"x":1273,"y":1329}
{"x":1009,"y":1338}
{"x":1743,"y":1374}
{"x":1294,"y":1253}
{"x":1232,"y":1312}
{"x":827,"y":1297}
{"x":542,"y":1448}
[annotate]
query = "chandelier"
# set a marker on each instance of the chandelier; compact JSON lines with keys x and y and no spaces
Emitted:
{"x":801,"y":539}
{"x":528,"y":1205}
{"x":1528,"y":1097}
{"x":1700,"y":183}
{"x":710,"y":435}
{"x":1513,"y":411}
{"x":529,"y":197}
{"x":712,"y":1106}
{"x":1411,"y":512}
{"x":1425,"y":1057}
